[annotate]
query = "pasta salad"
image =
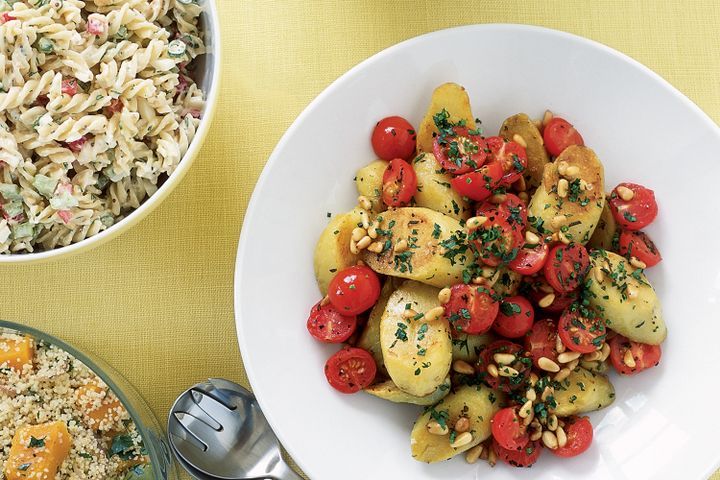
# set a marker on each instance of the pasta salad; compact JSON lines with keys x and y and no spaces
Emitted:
{"x":97,"y":107}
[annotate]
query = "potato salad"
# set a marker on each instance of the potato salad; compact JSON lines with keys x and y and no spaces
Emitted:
{"x":493,"y":280}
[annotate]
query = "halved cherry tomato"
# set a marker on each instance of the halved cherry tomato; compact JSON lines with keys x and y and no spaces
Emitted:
{"x":69,"y":86}
{"x":478,"y":185}
{"x":581,"y":329}
{"x":496,"y":241}
{"x":471,"y":309}
{"x":522,"y":364}
{"x":566,"y":267}
{"x":515,"y":317}
{"x":508,"y":429}
{"x":399,"y":183}
{"x":645,"y":356}
{"x":354,"y":290}
{"x":561,"y":301}
{"x":639,"y":245}
{"x":541,"y":340}
{"x":559,"y":134}
{"x":579,"y":433}
{"x":510,"y":155}
{"x":636,"y":213}
{"x":394,"y":137}
{"x":525,"y":457}
{"x":328,"y":325}
{"x":514,"y":210}
{"x":350,"y":370}
{"x":530,"y":259}
{"x":460,"y":153}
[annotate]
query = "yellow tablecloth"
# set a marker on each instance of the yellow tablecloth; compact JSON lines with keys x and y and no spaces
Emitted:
{"x":157,"y":302}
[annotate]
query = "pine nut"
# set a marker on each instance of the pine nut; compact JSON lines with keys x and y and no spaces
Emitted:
{"x":537,"y":123}
{"x":364,"y":242}
{"x":546,"y":118}
{"x":504,"y":358}
{"x":572,"y":171}
{"x":586,"y":186}
{"x":545,"y":288}
{"x":632,"y":292}
{"x":462,"y":425}
{"x":562,"y":168}
{"x":562,"y":188}
{"x":628,"y":359}
{"x":409,"y":313}
{"x":358,"y":233}
{"x":637,"y":263}
{"x":473,"y":454}
{"x":462,"y":440}
{"x":568,"y":357}
{"x":492,"y":370}
{"x":372,"y":231}
{"x":520,"y":184}
{"x":364,"y":202}
{"x":605,"y":352}
{"x":401,"y":245}
{"x":549,"y":440}
{"x":559,"y":345}
{"x":461,"y":366}
{"x":533,"y":379}
{"x":435,"y":428}
{"x":531,"y":238}
{"x":562,"y":374}
{"x":353,"y":247}
{"x":625,"y":193}
{"x":508,"y":372}
{"x":552,"y":422}
{"x":548,"y":391}
{"x":536,"y":435}
{"x":526,"y":409}
{"x":564,"y":238}
{"x":519,"y":140}
{"x":492,"y":457}
{"x":475,"y":222}
{"x":376,"y":247}
{"x":479,"y":280}
{"x":598,"y":274}
{"x":548,"y":365}
{"x":554,"y":237}
{"x":444,"y":295}
{"x":530,"y":418}
{"x":530,"y":394}
{"x":325,"y":301}
{"x":487,"y":272}
{"x":573,"y":365}
{"x":498,"y":198}
{"x":434,"y":313}
{"x":558,"y":221}
{"x":592,"y":357}
{"x":547,"y":300}
{"x":484,"y":453}
{"x":561,"y":437}
{"x":365,"y":219}
{"x":523,"y":196}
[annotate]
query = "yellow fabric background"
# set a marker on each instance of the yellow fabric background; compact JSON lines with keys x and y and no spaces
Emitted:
{"x":156,"y":303}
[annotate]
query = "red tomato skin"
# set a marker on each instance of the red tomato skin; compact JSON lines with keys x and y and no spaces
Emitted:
{"x":399,"y":183}
{"x":529,"y":261}
{"x":512,"y":208}
{"x":517,"y":324}
{"x":6,"y":17}
{"x":561,"y":302}
{"x":572,"y":260}
{"x":645,"y":356}
{"x":639,"y":245}
{"x":519,"y":458}
{"x":478,"y":185}
{"x":579,"y":435}
{"x":479,"y":304}
{"x":512,"y":239}
{"x":559,"y":134}
{"x":393,"y":137}
{"x":354,"y":290}
{"x":581,"y":340}
{"x":541,"y":340}
{"x":77,"y":145}
{"x":477,"y":159}
{"x":508,"y":430}
{"x":350,"y":370}
{"x":115,"y":105}
{"x":95,"y":26}
{"x":69,"y":86}
{"x":326,"y":324}
{"x":503,"y":383}
{"x":637,"y":213}
{"x":511,"y":156}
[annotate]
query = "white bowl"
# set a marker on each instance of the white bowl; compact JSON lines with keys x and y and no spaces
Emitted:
{"x":207,"y":76}
{"x":662,"y":424}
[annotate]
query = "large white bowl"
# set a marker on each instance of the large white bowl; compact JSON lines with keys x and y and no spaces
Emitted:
{"x":663,"y":423}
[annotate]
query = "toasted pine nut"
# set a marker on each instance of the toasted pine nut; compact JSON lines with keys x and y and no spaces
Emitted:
{"x":559,"y":345}
{"x":475,"y":222}
{"x":487,"y":272}
{"x":637,"y":263}
{"x":461,"y":366}
{"x":364,"y":202}
{"x":562,"y":168}
{"x":586,"y":186}
{"x":353,"y":247}
{"x":498,"y":198}
{"x":545,"y":288}
{"x":562,"y":188}
{"x":530,"y":394}
{"x":552,"y":422}
{"x":435,"y":428}
{"x":479,"y":280}
{"x":365,"y":219}
{"x":325,"y":301}
{"x":561,"y":436}
{"x":547,"y":391}
{"x":401,"y":245}
{"x":493,"y":370}
{"x":573,"y":365}
{"x":568,"y":357}
{"x":508,"y":372}
{"x":526,"y":409}
{"x":473,"y":454}
{"x":598,"y":274}
{"x":444,"y":296}
{"x":409,"y":313}
{"x":434,"y":313}
{"x":364,"y":242}
{"x":536,"y":435}
{"x":546,"y":118}
{"x":625,"y":193}
{"x":358,"y":233}
{"x":550,"y":440}
{"x":517,"y":138}
{"x":632,"y":292}
{"x":492,"y":457}
{"x":520,"y":184}
{"x":533,"y":379}
{"x":535,"y":424}
{"x":547,"y":300}
{"x":572,"y":171}
{"x":548,"y":365}
{"x":372,"y":231}
{"x":523,"y":196}
{"x":605,"y":352}
{"x":563,"y":238}
{"x":504,"y":358}
{"x":530,"y":418}
{"x":462,"y":440}
{"x":531,"y":238}
{"x":462,"y":425}
{"x":562,"y":374}
{"x":592,"y":356}
{"x":537,"y":123}
{"x":558,"y":221}
{"x":628,"y":359}
{"x":376,"y":247}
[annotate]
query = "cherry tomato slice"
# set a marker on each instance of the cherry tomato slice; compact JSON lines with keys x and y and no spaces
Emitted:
{"x":579,"y":433}
{"x":328,"y":325}
{"x":354,"y":290}
{"x":541,"y":340}
{"x":636,"y":213}
{"x":522,"y":365}
{"x":566,"y":267}
{"x":496,"y":241}
{"x":350,"y":370}
{"x":525,"y":457}
{"x":514,"y":210}
{"x":559,"y":134}
{"x":478,"y":185}
{"x":643,"y":355}
{"x":515,"y":317}
{"x":561,"y":301}
{"x":471,"y":309}
{"x":639,"y":245}
{"x":581,"y":329}
{"x":510,"y":155}
{"x":530,"y":259}
{"x":460,"y":153}
{"x":393,"y":137}
{"x":399,"y":183}
{"x":508,"y":430}
{"x":69,"y":86}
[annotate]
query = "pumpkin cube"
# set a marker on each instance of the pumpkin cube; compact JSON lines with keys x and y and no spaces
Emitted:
{"x":101,"y":409}
{"x":16,"y":353}
{"x":37,"y":451}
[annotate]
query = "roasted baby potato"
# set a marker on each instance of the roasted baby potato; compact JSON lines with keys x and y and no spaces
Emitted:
{"x":596,"y":366}
{"x":454,"y":99}
{"x":425,"y":231}
{"x":332,"y":252}
{"x":477,"y":403}
{"x":583,"y":392}
{"x":370,"y":338}
{"x":521,"y":124}
{"x":579,"y":212}
{"x":605,"y":232}
{"x":369,"y":183}
{"x":387,"y":390}
{"x":417,"y":352}
{"x":434,"y":191}
{"x":625,"y":298}
{"x":467,"y":347}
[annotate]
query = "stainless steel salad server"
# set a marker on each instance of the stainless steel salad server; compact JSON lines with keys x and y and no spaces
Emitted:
{"x":217,"y":430}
